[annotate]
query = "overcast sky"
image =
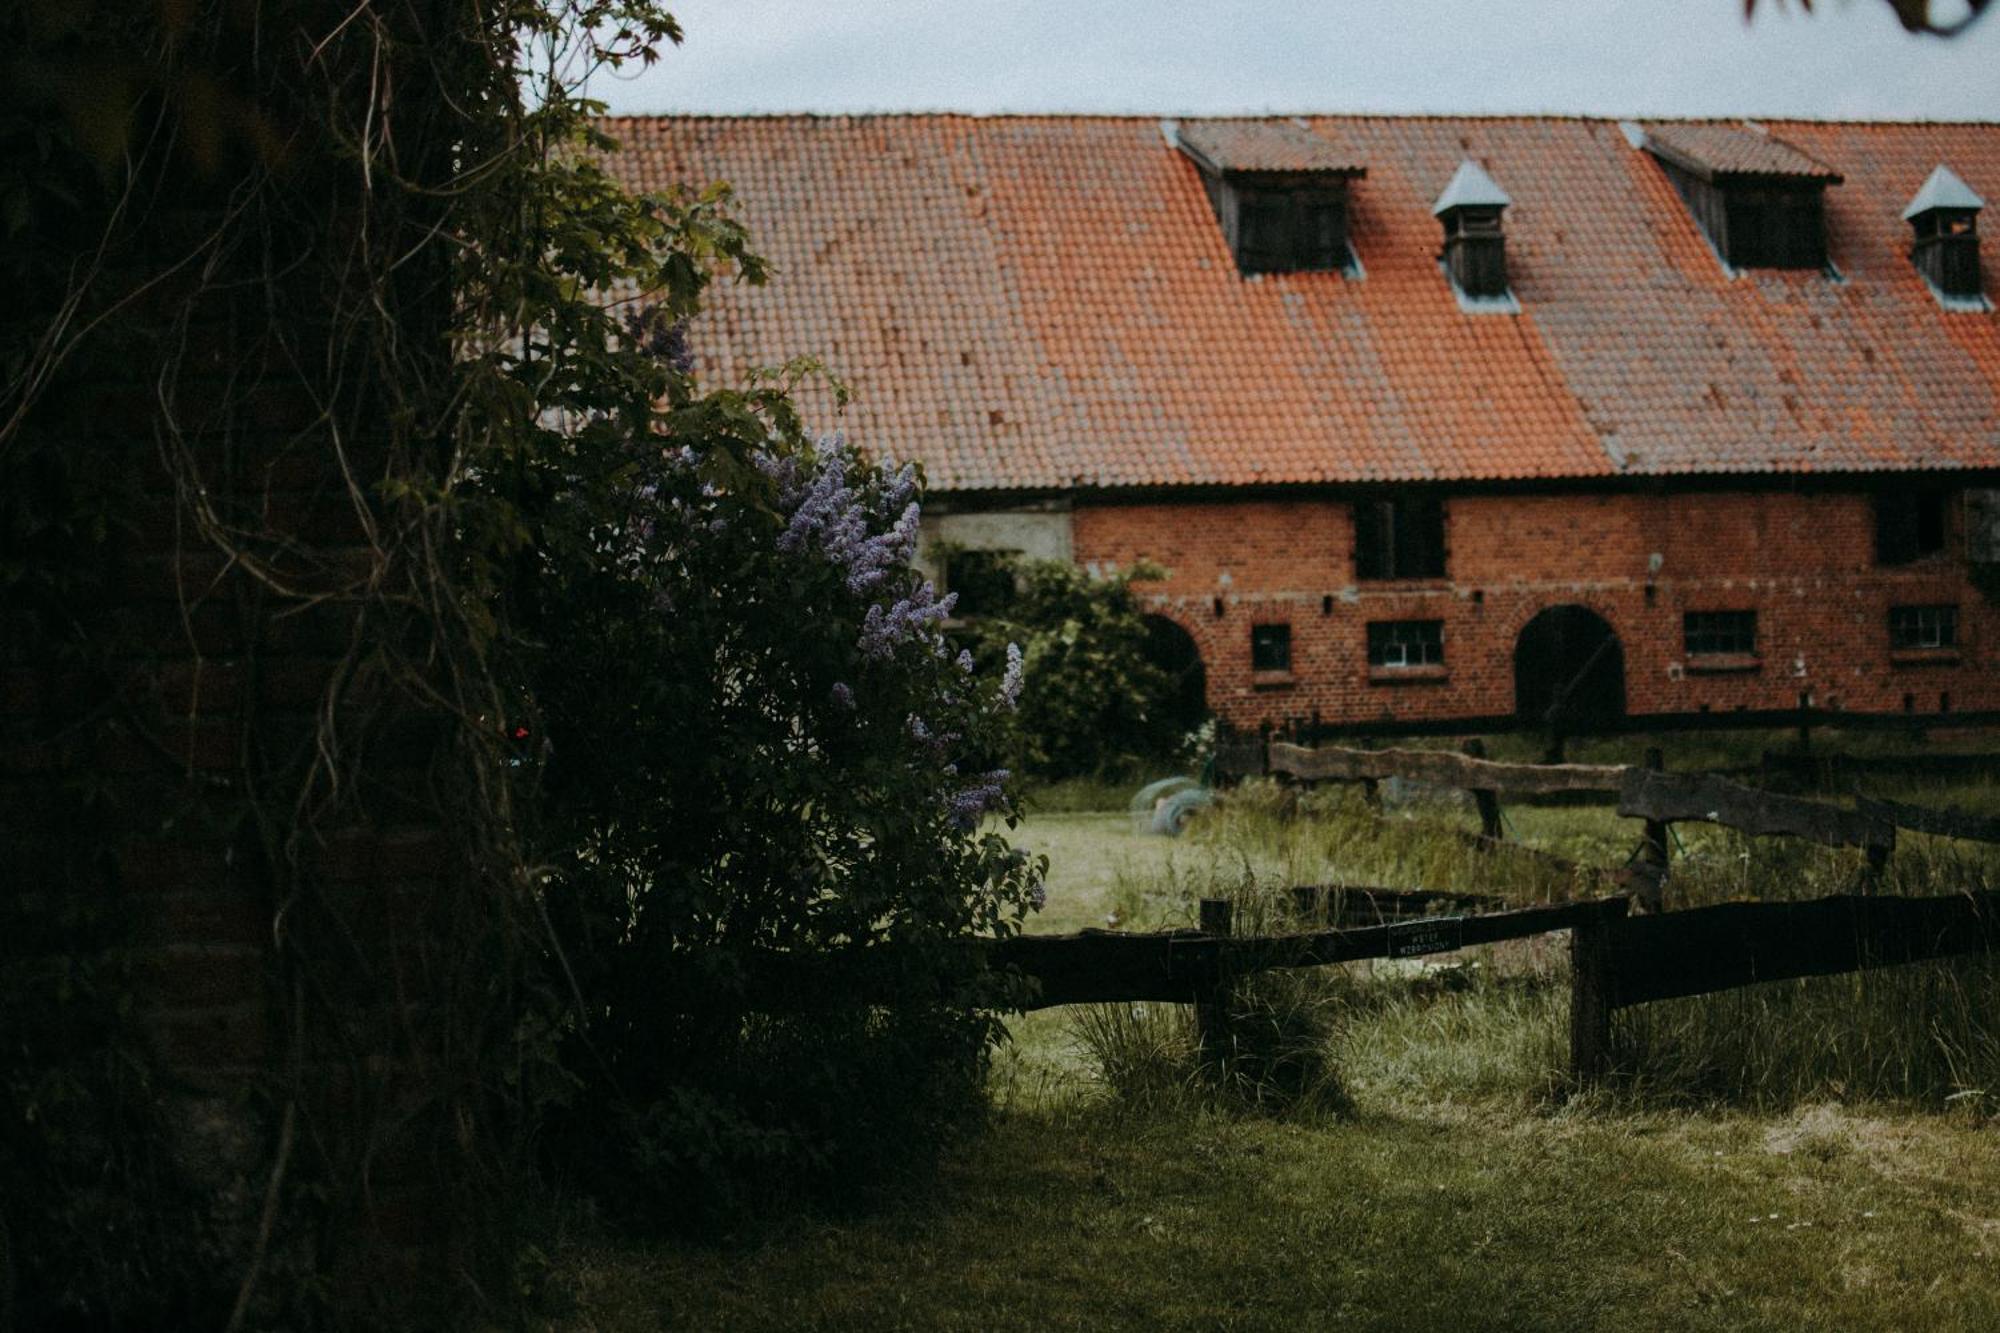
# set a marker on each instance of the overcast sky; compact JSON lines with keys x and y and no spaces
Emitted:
{"x":1614,"y":57}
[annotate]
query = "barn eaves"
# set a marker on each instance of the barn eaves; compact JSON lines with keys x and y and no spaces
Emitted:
{"x":1944,"y":215}
{"x":1760,"y":202}
{"x":1279,"y":192}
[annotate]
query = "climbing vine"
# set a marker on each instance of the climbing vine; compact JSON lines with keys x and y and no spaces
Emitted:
{"x":401,"y":378}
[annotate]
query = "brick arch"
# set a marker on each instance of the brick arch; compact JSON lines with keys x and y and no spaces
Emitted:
{"x":1569,"y":667}
{"x":1177,"y":647}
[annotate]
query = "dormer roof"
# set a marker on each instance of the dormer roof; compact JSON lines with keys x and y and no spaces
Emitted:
{"x":1942,"y":189}
{"x":1722,"y":152}
{"x":1260,"y":147}
{"x":1470,"y":187}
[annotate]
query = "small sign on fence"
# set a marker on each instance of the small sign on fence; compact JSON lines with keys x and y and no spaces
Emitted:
{"x":1437,"y":934}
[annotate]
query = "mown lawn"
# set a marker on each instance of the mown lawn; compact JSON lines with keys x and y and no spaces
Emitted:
{"x":1402,"y":1218}
{"x":1461,"y":1189}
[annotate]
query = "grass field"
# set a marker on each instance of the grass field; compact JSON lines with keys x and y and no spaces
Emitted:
{"x":1822,"y":1154}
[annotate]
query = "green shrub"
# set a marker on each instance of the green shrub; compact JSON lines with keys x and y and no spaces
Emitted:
{"x":1093,"y":702}
{"x":763,"y":781}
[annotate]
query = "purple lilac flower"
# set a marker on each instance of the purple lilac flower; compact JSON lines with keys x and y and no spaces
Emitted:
{"x":829,"y":513}
{"x":965,"y":660}
{"x":662,"y":338}
{"x":842,"y":695}
{"x":968,"y":805}
{"x":1010,"y":679}
{"x":882,"y":630}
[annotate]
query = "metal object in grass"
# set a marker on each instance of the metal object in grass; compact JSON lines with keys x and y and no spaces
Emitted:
{"x":1167,"y":807}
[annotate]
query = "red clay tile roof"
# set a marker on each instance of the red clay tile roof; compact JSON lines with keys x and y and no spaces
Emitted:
{"x":1047,"y":302}
{"x":1264,"y":146}
{"x":1712,"y":151}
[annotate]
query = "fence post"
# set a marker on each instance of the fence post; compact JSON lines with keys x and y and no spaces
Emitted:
{"x":1877,"y":865}
{"x":1371,"y":790}
{"x":1211,"y":1015}
{"x":1486,"y":799}
{"x":1655,"y":851}
{"x":1805,"y":722}
{"x":1590,"y":992}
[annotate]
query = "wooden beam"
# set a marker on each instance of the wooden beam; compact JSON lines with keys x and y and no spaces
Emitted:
{"x":1364,"y":905}
{"x":1950,"y":822}
{"x":1666,"y":797}
{"x":1440,"y":768}
{"x":1098,"y":967}
{"x":1737,"y":944}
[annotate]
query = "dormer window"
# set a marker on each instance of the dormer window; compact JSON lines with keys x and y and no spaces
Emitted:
{"x":1760,"y":202}
{"x":1475,"y":250}
{"x":1944,"y":216}
{"x":1279,"y":192}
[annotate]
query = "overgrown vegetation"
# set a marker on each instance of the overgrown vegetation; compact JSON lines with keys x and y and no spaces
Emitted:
{"x":1922,"y":1034}
{"x":762,"y":794}
{"x":654,"y":658}
{"x":1094,"y":705}
{"x":1129,"y":1192}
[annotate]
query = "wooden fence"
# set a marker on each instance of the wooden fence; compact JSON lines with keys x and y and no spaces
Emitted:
{"x":1191,"y":966}
{"x":1802,"y":721}
{"x":1617,"y":959}
{"x":1645,"y":792}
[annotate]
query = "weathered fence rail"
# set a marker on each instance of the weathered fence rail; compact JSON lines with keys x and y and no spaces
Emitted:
{"x":1440,"y":768}
{"x":1677,"y":797}
{"x":1096,"y":967}
{"x":1366,"y":905}
{"x":1618,"y":961}
{"x":1949,"y":822}
{"x":1643,"y":792}
{"x":1838,"y":771}
{"x":1803,"y":721}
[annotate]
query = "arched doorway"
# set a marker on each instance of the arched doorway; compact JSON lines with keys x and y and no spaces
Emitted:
{"x":1172,"y":649}
{"x":1569,"y":671}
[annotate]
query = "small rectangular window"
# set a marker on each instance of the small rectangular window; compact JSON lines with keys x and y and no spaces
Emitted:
{"x":1270,"y":647}
{"x":1707,"y":632}
{"x":1399,"y":538}
{"x":1405,"y":643}
{"x":1923,"y":627}
{"x":986,"y":581}
{"x":1282,"y":229}
{"x":1909,"y":523}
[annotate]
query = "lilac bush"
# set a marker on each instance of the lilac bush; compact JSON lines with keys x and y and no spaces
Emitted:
{"x":777,"y":823}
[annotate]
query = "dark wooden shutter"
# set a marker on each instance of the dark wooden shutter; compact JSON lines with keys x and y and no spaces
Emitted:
{"x":1373,"y":551}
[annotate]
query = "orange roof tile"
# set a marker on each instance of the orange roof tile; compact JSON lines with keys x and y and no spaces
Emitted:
{"x":1264,"y":146}
{"x":1044,"y":302}
{"x":1735,"y":150}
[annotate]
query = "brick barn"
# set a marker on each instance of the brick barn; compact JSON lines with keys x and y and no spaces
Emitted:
{"x":1428,"y":418}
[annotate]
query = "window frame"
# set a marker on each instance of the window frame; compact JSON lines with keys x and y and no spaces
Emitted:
{"x":1907,"y":628}
{"x":1382,"y":635}
{"x":1264,"y":636}
{"x":1911,"y":522}
{"x":1403,"y":538}
{"x":1723,"y":633}
{"x":1302,"y":228}
{"x":983,"y":568}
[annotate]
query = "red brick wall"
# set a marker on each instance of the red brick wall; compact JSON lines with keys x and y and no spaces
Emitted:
{"x":1803,"y":561}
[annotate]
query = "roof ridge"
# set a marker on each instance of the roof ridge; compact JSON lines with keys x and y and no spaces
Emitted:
{"x":1408,"y":117}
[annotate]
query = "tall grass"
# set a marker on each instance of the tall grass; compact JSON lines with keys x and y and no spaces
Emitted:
{"x":1492,"y":1024}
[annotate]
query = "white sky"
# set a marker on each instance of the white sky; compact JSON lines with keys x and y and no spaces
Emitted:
{"x":1848,"y":59}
